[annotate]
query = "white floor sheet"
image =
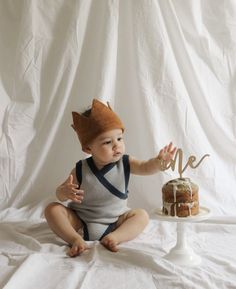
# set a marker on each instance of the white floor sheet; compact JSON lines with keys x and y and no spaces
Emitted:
{"x":32,"y":257}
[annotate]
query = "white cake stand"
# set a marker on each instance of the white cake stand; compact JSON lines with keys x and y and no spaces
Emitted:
{"x":182,"y":253}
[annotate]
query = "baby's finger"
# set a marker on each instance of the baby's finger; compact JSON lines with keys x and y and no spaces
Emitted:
{"x":161,"y":153}
{"x":78,"y":192}
{"x":169,"y":146}
{"x":74,"y":185}
{"x":79,"y":198}
{"x":70,"y":179}
{"x":173,"y":151}
{"x":76,"y":198}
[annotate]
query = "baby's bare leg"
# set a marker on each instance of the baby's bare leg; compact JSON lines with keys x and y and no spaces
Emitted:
{"x":64,"y":222}
{"x":129,"y":226}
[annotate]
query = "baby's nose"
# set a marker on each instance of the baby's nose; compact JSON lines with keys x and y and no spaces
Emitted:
{"x":115,"y":144}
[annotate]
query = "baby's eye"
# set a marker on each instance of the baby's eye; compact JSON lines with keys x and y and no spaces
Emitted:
{"x":119,"y":138}
{"x":107,"y":142}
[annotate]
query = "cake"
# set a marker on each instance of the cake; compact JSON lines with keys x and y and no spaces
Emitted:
{"x":180,"y":198}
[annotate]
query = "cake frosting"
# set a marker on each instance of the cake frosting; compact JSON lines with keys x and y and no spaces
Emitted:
{"x":180,"y":198}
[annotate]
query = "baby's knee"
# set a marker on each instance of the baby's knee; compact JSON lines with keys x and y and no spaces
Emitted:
{"x":52,"y":209}
{"x":142,"y":214}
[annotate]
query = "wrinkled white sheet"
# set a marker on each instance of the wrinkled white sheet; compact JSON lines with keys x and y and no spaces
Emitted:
{"x":32,"y":257}
{"x":168,"y":69}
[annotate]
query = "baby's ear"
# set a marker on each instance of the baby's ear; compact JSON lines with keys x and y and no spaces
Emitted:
{"x":87,"y":150}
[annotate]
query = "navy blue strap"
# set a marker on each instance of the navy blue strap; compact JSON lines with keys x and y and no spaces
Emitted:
{"x":78,"y":171}
{"x":85,"y":229}
{"x":109,"y":229}
{"x":126,"y":170}
{"x":105,"y":182}
{"x":107,"y":168}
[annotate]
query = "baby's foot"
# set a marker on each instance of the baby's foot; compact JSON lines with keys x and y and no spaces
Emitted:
{"x":110,"y":242}
{"x":78,"y":247}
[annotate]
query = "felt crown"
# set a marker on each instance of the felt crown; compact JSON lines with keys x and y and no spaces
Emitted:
{"x":101,"y":119}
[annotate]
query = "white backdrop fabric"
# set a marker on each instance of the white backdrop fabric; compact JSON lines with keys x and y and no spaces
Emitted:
{"x":168,"y":69}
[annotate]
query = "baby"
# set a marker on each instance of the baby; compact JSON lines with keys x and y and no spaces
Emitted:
{"x":97,"y":187}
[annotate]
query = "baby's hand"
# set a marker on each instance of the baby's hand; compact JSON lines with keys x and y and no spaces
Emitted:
{"x":71,"y":191}
{"x":166,"y":154}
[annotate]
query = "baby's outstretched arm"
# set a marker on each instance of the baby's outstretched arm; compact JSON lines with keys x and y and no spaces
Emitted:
{"x":153,"y":165}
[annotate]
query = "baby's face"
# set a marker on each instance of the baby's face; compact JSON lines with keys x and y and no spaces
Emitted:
{"x":108,"y":147}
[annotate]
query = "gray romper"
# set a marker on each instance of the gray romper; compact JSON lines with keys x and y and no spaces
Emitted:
{"x":105,"y":196}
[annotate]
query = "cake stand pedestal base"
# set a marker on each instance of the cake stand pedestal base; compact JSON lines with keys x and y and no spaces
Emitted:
{"x":182,"y":253}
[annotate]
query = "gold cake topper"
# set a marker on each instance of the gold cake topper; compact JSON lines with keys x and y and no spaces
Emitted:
{"x":166,"y":165}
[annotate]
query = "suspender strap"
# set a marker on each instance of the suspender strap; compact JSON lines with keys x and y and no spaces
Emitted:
{"x":85,"y":228}
{"x":79,"y":172}
{"x":105,"y":182}
{"x":109,"y":229}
